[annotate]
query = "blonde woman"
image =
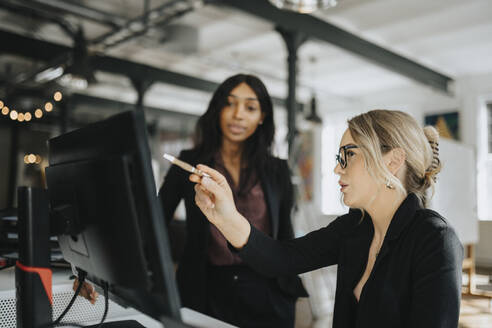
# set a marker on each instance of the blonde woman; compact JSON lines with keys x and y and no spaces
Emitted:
{"x":399,"y":263}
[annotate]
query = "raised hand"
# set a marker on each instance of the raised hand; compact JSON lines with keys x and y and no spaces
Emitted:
{"x":213,"y":195}
{"x":214,"y":198}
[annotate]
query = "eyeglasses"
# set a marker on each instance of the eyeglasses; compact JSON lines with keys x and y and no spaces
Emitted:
{"x":342,"y":155}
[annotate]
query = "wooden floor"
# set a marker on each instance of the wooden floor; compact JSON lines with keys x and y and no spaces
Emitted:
{"x":475,"y":312}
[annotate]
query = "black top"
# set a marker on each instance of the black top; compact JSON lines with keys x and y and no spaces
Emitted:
{"x":192,"y":274}
{"x":416,"y":279}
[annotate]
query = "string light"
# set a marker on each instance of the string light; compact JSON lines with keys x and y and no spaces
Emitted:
{"x":38,"y":113}
{"x":58,"y":96}
{"x":31,"y":158}
{"x":48,"y":106}
{"x":13,"y":115}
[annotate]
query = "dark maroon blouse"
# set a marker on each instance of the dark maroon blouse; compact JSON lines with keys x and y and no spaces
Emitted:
{"x":250,"y":203}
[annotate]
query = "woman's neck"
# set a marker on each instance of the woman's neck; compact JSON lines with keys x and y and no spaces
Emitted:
{"x":231,"y":152}
{"x":382,"y":209}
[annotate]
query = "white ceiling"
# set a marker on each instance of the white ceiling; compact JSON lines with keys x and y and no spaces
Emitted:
{"x":453,"y":37}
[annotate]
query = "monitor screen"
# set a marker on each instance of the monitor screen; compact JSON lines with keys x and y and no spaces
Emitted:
{"x":104,"y":206}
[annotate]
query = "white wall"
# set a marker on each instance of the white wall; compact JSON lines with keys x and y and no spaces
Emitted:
{"x":483,"y":251}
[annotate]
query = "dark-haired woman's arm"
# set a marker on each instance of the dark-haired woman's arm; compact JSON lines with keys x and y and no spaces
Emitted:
{"x":171,"y":191}
{"x":286,"y":203}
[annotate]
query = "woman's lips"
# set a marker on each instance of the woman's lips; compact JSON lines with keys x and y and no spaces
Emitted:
{"x":342,"y":186}
{"x":236,"y":129}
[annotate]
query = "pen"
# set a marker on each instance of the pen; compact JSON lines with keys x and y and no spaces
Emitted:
{"x":185,"y":166}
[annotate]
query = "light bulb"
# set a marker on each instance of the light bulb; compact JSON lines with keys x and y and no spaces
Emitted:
{"x":38,"y":113}
{"x":31,"y":158}
{"x":13,"y":115}
{"x":58,"y":96}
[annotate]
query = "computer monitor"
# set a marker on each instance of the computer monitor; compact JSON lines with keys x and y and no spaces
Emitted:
{"x":110,"y":224}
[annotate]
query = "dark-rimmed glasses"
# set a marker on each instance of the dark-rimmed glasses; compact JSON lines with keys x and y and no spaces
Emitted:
{"x":342,"y":153}
{"x":341,"y":158}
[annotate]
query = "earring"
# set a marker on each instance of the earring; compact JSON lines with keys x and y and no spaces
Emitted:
{"x":261,"y":122}
{"x":388,"y":184}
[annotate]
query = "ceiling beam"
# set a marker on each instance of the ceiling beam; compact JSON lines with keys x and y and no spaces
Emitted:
{"x":78,"y":99}
{"x":24,"y":10}
{"x":319,"y":29}
{"x":145,"y":72}
{"x":78,"y":9}
{"x":45,"y":51}
{"x":20,"y":45}
{"x":29,"y":47}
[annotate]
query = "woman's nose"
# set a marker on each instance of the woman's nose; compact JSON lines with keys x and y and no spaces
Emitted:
{"x":338,"y":169}
{"x":239,"y":111}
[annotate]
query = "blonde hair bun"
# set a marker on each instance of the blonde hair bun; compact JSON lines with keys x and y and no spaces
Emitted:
{"x":431,"y":134}
{"x":433,"y":137}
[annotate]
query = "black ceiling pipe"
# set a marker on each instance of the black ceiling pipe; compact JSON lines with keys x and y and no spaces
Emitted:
{"x":44,"y":51}
{"x":78,"y":9}
{"x":293,"y":40}
{"x":319,"y":29}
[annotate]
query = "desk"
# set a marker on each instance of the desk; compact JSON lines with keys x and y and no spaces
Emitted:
{"x":84,"y":312}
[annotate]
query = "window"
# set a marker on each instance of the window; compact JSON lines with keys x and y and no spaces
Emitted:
{"x":489,"y":127}
{"x":333,"y":129}
{"x":485,"y":180}
{"x":484,"y":164}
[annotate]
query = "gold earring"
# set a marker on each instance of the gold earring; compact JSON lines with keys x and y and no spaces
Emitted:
{"x":388,"y":184}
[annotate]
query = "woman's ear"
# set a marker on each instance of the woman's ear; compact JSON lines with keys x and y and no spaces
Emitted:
{"x":397,"y":157}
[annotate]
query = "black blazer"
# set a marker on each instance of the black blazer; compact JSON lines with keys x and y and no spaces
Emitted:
{"x":416,"y":279}
{"x":191,"y":274}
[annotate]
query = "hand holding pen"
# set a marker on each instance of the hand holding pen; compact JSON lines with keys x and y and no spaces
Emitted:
{"x":214,"y":197}
{"x":185,"y":166}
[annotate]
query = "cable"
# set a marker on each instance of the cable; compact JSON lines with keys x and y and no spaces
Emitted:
{"x":57,"y":322}
{"x":67,"y":324}
{"x":106,"y":304}
{"x":81,"y":278}
{"x":63,"y":324}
